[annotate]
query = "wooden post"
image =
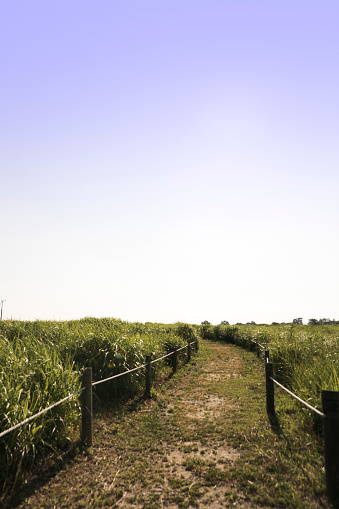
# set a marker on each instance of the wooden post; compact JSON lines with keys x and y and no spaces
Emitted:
{"x":197,"y":346}
{"x":188,"y":351}
{"x":257,"y":348}
{"x":330,"y":405}
{"x":87,"y":408}
{"x":175,"y":360}
{"x":148,"y":376}
{"x":269,"y":389}
{"x":267,"y":356}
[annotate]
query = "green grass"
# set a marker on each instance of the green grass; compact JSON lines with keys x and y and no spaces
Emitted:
{"x":175,"y":449}
{"x":305,"y":357}
{"x":280,"y":462}
{"x":42,"y":362}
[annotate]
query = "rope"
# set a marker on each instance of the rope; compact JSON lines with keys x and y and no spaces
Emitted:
{"x":182,"y":348}
{"x":138,"y":367}
{"x":119,"y":374}
{"x":256,"y":343}
{"x":40,"y":413}
{"x":171,"y":353}
{"x":163,"y":357}
{"x":299,"y":399}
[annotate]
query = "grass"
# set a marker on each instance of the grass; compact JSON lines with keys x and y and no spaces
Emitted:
{"x":305,"y":357}
{"x":42,"y":362}
{"x":203,"y":440}
{"x":210,"y":439}
{"x":282,"y":464}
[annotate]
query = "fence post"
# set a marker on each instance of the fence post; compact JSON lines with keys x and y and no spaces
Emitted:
{"x":87,"y":408}
{"x":257,"y":348}
{"x":175,"y":360}
{"x":269,"y":389}
{"x":148,"y":376}
{"x":267,"y":356}
{"x":330,"y":405}
{"x":197,"y":346}
{"x":188,"y":351}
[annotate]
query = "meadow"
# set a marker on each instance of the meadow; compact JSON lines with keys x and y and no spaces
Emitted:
{"x":41,"y":362}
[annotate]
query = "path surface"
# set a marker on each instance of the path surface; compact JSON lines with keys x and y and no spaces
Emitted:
{"x":173,"y":451}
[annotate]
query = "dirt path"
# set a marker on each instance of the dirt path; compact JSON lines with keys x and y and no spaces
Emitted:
{"x":181,"y":449}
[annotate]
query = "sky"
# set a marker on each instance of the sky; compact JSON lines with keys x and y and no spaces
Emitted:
{"x":169,"y":161}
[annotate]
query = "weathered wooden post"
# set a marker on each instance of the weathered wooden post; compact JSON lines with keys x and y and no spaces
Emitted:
{"x":257,"y":349}
{"x":330,"y":405}
{"x":175,"y":360}
{"x":148,"y":376}
{"x":269,"y":389}
{"x":267,"y":356}
{"x":188,"y":350}
{"x":87,"y":408}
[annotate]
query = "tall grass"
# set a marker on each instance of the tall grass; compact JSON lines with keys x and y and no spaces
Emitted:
{"x":305,"y":357}
{"x":32,"y":378}
{"x":41,"y":363}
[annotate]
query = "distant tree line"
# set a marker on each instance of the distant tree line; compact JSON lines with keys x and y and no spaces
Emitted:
{"x":314,"y":321}
{"x":323,"y":321}
{"x":296,"y":321}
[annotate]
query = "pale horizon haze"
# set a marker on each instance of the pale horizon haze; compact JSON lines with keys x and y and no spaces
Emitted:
{"x":169,"y":161}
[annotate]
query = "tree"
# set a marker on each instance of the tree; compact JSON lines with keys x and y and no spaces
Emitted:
{"x":298,"y":321}
{"x":205,"y":322}
{"x":326,"y":321}
{"x":224,"y":323}
{"x":313,"y":321}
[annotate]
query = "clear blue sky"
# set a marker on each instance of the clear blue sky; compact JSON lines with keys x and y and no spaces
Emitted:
{"x":169,"y":160}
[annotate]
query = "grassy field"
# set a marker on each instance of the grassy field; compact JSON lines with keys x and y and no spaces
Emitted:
{"x":203,"y":440}
{"x":41,"y":362}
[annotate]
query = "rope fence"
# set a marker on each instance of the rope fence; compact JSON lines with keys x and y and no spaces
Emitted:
{"x":329,"y":415}
{"x":330,"y":418}
{"x":3,"y":433}
{"x":87,"y":385}
{"x":299,"y":399}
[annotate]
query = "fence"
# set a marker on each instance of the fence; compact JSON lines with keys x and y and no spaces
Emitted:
{"x":330,"y":416}
{"x":87,"y":390}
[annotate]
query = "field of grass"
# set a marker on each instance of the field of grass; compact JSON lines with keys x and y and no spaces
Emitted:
{"x":202,"y":440}
{"x":41,"y":362}
{"x":305,"y":357}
